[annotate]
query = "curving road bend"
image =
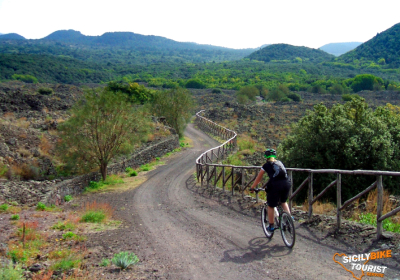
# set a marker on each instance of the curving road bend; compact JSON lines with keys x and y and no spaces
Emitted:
{"x":189,"y":235}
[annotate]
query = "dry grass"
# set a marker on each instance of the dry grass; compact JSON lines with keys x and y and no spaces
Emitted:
{"x":45,"y":146}
{"x":96,"y":206}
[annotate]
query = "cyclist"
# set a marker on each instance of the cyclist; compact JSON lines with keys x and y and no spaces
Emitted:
{"x":277,"y":187}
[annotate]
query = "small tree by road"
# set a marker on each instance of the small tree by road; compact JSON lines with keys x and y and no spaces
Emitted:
{"x":103,"y":125}
{"x":176,"y":106}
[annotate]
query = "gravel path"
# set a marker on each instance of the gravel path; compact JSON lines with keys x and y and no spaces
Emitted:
{"x":181,"y":231}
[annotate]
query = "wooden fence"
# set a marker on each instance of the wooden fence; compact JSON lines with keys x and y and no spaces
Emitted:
{"x":211,"y":172}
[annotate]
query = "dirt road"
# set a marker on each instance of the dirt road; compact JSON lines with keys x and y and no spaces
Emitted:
{"x":182,"y":232}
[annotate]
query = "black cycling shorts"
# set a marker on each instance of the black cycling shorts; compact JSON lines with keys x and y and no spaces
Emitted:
{"x":277,"y":191}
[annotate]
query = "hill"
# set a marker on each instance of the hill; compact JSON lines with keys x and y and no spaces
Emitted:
{"x":338,"y":49}
{"x":11,"y":36}
{"x":383,"y":49}
{"x":289,"y":53}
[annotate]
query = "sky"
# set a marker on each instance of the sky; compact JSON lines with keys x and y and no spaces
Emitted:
{"x":232,"y":24}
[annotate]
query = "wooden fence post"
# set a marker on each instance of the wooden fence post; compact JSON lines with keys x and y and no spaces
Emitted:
{"x":291,"y":190}
{"x":338,"y":200}
{"x":379,"y":209}
{"x":223,"y":178}
{"x":310,"y":195}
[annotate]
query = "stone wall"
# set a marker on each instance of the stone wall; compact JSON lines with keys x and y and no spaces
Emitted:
{"x":53,"y":192}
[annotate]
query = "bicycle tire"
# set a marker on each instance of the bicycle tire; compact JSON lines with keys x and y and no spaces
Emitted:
{"x":265,"y":223}
{"x":288,"y":231}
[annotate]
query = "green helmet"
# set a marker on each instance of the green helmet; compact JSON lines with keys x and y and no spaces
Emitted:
{"x":270,"y":153}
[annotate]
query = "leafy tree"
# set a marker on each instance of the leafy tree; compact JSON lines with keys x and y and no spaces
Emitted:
{"x":278,"y":93}
{"x":337,"y":89}
{"x":138,"y":93}
{"x":25,"y":78}
{"x":176,"y":105}
{"x":365,"y":82}
{"x":103,"y":125}
{"x":247,"y":93}
{"x":349,"y":137}
{"x":294,"y":96}
{"x":193,"y":83}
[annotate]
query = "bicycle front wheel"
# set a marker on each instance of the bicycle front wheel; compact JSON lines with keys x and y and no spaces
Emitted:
{"x":287,"y":230}
{"x":265,"y":223}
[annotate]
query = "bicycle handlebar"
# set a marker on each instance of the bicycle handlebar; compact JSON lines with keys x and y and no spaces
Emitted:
{"x":259,"y":190}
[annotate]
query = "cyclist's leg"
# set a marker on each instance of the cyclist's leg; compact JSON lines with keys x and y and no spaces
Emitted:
{"x":272,"y":201}
{"x":284,"y":195}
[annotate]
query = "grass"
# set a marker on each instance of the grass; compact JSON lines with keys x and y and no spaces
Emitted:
{"x":110,"y":181}
{"x":124,"y":259}
{"x":96,"y":212}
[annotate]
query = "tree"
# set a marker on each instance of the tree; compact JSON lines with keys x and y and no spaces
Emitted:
{"x":176,"y":105}
{"x":137,"y":93}
{"x":365,"y":82}
{"x":193,"y":83}
{"x":349,"y":136}
{"x":246,"y":94}
{"x":278,"y":93}
{"x":103,"y":125}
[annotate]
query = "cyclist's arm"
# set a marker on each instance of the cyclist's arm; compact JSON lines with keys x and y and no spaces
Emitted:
{"x":258,"y":179}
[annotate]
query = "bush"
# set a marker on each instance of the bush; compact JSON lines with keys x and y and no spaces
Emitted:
{"x":216,"y":90}
{"x":4,"y":207}
{"x":41,"y":206}
{"x":15,"y":217}
{"x":11,"y":272}
{"x":45,"y":91}
{"x":69,"y":235}
{"x":67,"y":198}
{"x":294,"y":96}
{"x":124,"y":259}
{"x":25,"y":78}
{"x":93,"y":217}
{"x":131,"y":172}
{"x":193,"y":83}
{"x":105,"y":262}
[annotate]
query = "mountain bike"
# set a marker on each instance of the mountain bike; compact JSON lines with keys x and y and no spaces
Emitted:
{"x":283,"y":220}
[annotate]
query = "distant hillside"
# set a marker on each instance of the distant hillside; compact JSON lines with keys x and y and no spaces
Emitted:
{"x":284,"y":52}
{"x":383,"y":50}
{"x":339,"y":48}
{"x":11,"y":36}
{"x":134,"y":41}
{"x":121,"y":48}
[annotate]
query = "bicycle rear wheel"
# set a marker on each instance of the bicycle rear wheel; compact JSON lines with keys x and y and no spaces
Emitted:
{"x":265,"y":223}
{"x":287,"y":229}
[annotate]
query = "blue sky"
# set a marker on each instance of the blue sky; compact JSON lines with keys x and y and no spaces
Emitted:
{"x":233,"y":24}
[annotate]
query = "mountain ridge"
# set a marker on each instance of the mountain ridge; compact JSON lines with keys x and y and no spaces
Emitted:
{"x":338,"y":49}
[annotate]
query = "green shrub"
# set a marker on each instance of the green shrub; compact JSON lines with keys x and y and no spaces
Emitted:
{"x":66,"y":264}
{"x":193,"y":83}
{"x":157,"y":158}
{"x":131,"y":172}
{"x":105,"y":262}
{"x":41,"y":206}
{"x":45,"y":91}
{"x":67,"y":198}
{"x":4,"y":207}
{"x":145,"y":167}
{"x":64,"y":226}
{"x":216,"y":90}
{"x":15,"y":217}
{"x":124,"y":259}
{"x":69,"y":235}
{"x":93,"y":217}
{"x":25,"y":78}
{"x":11,"y":272}
{"x":294,"y":96}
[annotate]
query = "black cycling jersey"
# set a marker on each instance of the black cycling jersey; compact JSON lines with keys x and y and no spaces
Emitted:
{"x":275,"y":170}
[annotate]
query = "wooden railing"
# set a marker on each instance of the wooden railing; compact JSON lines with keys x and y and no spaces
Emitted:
{"x":211,"y":172}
